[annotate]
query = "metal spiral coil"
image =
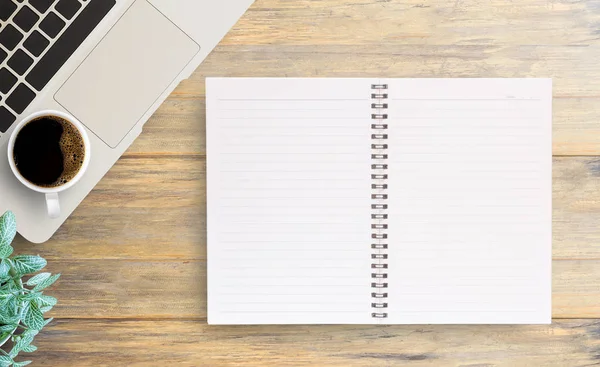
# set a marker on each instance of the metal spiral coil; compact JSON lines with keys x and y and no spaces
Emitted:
{"x":379,"y":197}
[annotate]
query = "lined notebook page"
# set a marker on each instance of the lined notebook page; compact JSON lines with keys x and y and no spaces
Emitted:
{"x":470,"y":200}
{"x":288,"y":201}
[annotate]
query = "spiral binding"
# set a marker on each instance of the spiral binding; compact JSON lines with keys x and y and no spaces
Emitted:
{"x":379,"y":197}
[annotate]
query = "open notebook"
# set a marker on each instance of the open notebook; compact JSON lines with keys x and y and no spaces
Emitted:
{"x":385,"y":201}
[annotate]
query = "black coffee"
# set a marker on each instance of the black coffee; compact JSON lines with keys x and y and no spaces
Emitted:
{"x":49,"y":151}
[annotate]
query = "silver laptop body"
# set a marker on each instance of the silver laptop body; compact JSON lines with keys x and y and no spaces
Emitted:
{"x":109,"y":63}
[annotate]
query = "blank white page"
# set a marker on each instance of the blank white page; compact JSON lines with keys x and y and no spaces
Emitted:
{"x":289,"y":201}
{"x":470,"y":167}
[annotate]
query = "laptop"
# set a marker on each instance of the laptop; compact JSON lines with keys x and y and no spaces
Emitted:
{"x":109,"y":63}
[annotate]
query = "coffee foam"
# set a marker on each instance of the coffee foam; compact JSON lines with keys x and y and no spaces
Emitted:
{"x":73,"y":150}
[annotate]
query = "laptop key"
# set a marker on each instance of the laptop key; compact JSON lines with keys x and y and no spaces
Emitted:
{"x":26,"y":18}
{"x":68,"y":43}
{"x":52,"y":25}
{"x":10,"y":37}
{"x":41,"y":5}
{"x":2,"y":55}
{"x":8,"y":80}
{"x":68,"y":8}
{"x":36,"y":43}
{"x":20,"y":62}
{"x":6,"y":119}
{"x":7,"y":8}
{"x":20,"y":98}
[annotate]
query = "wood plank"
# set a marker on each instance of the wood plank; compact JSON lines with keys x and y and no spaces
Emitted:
{"x":178,"y":127}
{"x":365,"y":22}
{"x":136,"y":247}
{"x":154,"y":207}
{"x":576,"y":208}
{"x":189,"y":343}
{"x":410,"y":39}
{"x":147,"y":208}
{"x":127,"y":289}
{"x":571,"y":67}
{"x":177,"y":289}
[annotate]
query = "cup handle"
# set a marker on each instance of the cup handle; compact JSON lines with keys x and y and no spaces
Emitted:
{"x":53,"y":205}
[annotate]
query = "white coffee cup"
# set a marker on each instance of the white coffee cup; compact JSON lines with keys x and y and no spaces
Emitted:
{"x":52,"y":201}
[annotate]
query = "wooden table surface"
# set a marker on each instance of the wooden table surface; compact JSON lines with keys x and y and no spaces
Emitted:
{"x":133,"y":255}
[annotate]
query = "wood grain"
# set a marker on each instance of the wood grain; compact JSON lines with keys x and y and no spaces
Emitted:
{"x":149,"y":208}
{"x":178,"y":127}
{"x":154,"y":208}
{"x":177,"y":289}
{"x":568,"y":66}
{"x":414,"y":22}
{"x":133,"y":255}
{"x":190,"y":343}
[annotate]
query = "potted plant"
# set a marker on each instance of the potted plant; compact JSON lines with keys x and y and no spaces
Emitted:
{"x":22,"y":301}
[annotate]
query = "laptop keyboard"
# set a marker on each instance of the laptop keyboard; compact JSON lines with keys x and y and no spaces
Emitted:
{"x":37,"y":37}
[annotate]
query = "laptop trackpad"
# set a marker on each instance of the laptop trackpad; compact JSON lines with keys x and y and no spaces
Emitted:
{"x":127,"y":72}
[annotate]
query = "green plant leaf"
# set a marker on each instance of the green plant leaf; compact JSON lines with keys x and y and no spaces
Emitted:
{"x":5,"y":361}
{"x":21,"y":344}
{"x":46,"y":283}
{"x":30,"y":349}
{"x":28,"y":264}
{"x":8,"y":231}
{"x":9,"y":319}
{"x":7,"y":328}
{"x":29,"y":296}
{"x":48,"y":321}
{"x":36,"y":279}
{"x":4,"y":268}
{"x":5,"y":251}
{"x":33,"y":317}
{"x":10,"y":286}
{"x":12,"y":307}
{"x":21,"y":307}
{"x":24,"y":310}
{"x":5,"y":296}
{"x":44,"y":300}
{"x":29,"y":332}
{"x":9,"y":311}
{"x":25,"y":340}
